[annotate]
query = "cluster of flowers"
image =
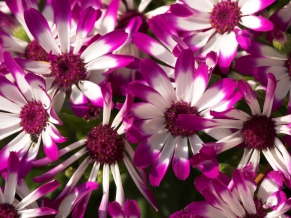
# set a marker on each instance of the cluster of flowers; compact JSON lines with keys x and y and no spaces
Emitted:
{"x":78,"y":55}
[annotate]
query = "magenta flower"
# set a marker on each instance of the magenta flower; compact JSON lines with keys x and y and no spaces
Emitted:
{"x":27,"y":207}
{"x":26,"y":109}
{"x":259,"y":131}
{"x":67,"y":66}
{"x":217,"y":23}
{"x":238,"y":199}
{"x":155,"y":123}
{"x":105,"y":146}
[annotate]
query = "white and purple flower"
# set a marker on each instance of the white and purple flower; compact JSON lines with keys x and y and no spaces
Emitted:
{"x":155,"y":123}
{"x":26,"y":108}
{"x":237,"y":199}
{"x":105,"y":146}
{"x":216,"y":25}
{"x":27,"y":207}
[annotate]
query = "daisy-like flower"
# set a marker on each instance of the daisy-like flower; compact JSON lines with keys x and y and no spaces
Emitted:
{"x":131,"y":209}
{"x":26,"y":108}
{"x":67,"y":66}
{"x":155,"y":123}
{"x":105,"y":146}
{"x":217,"y":25}
{"x":262,"y":60}
{"x":259,"y":131}
{"x":27,"y":207}
{"x":239,"y":200}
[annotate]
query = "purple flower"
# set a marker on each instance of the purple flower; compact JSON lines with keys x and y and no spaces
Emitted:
{"x":105,"y":146}
{"x":27,"y":207}
{"x":217,"y":23}
{"x":26,"y":109}
{"x":156,"y":124}
{"x":237,"y":199}
{"x":259,"y":131}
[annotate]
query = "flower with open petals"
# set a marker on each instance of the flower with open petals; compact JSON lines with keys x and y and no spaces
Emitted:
{"x":155,"y":124}
{"x":217,"y":23}
{"x":258,"y":132}
{"x":26,"y":108}
{"x":27,"y":207}
{"x":238,"y":199}
{"x":105,"y":146}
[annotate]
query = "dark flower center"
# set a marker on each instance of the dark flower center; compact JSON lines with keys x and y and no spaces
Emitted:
{"x":172,"y":114}
{"x":67,"y":69}
{"x":34,"y":118}
{"x":261,"y":211}
{"x":8,"y":211}
{"x":278,"y":34}
{"x":104,"y":145}
{"x":259,"y":132}
{"x":225,"y":16}
{"x":35,"y":52}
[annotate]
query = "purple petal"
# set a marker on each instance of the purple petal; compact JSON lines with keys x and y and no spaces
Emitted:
{"x":115,"y":210}
{"x":181,"y":165}
{"x":132,"y":209}
{"x":281,"y":18}
{"x":12,"y":176}
{"x":270,"y":92}
{"x":156,"y":77}
{"x":92,"y":92}
{"x":78,"y":102}
{"x":161,"y":164}
{"x":149,"y":95}
{"x":227,"y":51}
{"x":257,"y":23}
{"x":243,"y":38}
{"x":40,"y":30}
{"x":200,"y":83}
{"x":49,"y":146}
{"x":38,"y":193}
{"x":152,"y":47}
{"x":195,"y":123}
{"x":37,"y":212}
{"x":109,"y":61}
{"x":86,"y":22}
{"x":104,"y":45}
{"x":147,"y":152}
{"x":110,"y":17}
{"x":251,"y":7}
{"x":198,"y":40}
{"x":180,"y":10}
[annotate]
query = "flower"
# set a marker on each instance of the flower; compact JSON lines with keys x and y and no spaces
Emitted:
{"x":238,"y":199}
{"x":216,"y":25}
{"x":65,"y":66}
{"x":26,"y":109}
{"x":105,"y":146}
{"x":155,"y":124}
{"x":27,"y":207}
{"x":258,"y":132}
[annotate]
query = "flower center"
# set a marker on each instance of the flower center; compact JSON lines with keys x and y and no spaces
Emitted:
{"x":104,"y":145}
{"x":35,"y":52}
{"x":278,"y":35}
{"x":225,"y":16}
{"x":172,"y":114}
{"x":259,"y":132}
{"x":33,"y":118}
{"x":8,"y":211}
{"x":67,"y":69}
{"x":261,"y":211}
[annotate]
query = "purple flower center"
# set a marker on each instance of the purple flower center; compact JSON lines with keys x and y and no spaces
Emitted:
{"x":33,"y":118}
{"x":8,"y":211}
{"x":225,"y":16}
{"x":35,"y":52}
{"x":67,"y":69}
{"x":261,"y":211}
{"x":259,"y":132}
{"x":278,"y":35}
{"x":172,"y":114}
{"x":93,"y":112}
{"x":104,"y":145}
